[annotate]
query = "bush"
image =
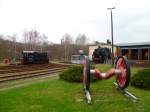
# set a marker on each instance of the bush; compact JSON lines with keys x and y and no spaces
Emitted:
{"x":141,"y":79}
{"x":74,"y":74}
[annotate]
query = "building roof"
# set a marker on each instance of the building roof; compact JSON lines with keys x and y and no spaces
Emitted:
{"x":101,"y":44}
{"x":28,"y":51}
{"x":134,"y":44}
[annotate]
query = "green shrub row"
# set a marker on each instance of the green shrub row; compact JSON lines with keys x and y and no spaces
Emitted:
{"x":74,"y":74}
{"x":141,"y":79}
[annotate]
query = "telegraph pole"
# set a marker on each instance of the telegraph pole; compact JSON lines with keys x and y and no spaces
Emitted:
{"x":112,"y":39}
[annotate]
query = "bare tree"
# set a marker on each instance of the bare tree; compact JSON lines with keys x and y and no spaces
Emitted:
{"x":34,"y":40}
{"x":43,"y":42}
{"x":81,"y":39}
{"x":25,"y":35}
{"x":13,"y":46}
{"x":66,"y":41}
{"x":1,"y":36}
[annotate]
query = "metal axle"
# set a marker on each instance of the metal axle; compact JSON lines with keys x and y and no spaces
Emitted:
{"x":107,"y":75}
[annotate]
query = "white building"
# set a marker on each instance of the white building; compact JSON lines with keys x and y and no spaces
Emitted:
{"x":94,"y":46}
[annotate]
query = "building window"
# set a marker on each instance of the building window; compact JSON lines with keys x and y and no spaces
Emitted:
{"x":124,"y":52}
{"x":144,"y":54}
{"x":134,"y":54}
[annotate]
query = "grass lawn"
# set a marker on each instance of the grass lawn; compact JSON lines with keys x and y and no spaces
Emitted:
{"x":56,"y":95}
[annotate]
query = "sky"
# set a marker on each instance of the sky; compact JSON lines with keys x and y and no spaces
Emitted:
{"x":90,"y":17}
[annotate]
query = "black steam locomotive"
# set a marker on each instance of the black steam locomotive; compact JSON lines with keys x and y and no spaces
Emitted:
{"x":101,"y":55}
{"x":33,"y":57}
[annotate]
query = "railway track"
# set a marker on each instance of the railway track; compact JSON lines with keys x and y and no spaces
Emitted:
{"x":27,"y":68}
{"x":28,"y":72}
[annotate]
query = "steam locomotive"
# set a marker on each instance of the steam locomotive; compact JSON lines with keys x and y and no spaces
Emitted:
{"x":101,"y":55}
{"x":33,"y":57}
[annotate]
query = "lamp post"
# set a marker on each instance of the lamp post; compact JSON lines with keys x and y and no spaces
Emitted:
{"x":112,"y":40}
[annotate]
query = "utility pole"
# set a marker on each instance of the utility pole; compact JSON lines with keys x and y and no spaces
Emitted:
{"x":112,"y":39}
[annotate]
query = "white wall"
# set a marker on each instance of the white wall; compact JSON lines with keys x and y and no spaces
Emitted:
{"x":93,"y":47}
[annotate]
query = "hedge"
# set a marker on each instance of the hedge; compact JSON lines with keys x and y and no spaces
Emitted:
{"x":74,"y":74}
{"x":141,"y":79}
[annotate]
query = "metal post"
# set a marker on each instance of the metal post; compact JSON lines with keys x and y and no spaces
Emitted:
{"x":15,"y":52}
{"x":112,"y":40}
{"x":126,"y":93}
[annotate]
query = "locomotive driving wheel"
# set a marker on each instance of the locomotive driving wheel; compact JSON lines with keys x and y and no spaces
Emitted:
{"x":123,"y":79}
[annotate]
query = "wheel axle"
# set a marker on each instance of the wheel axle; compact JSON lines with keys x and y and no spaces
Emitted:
{"x":121,"y":71}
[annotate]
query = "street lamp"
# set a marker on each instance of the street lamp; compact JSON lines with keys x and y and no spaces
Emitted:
{"x":112,"y":40}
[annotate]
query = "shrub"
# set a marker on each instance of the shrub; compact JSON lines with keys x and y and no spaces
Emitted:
{"x":141,"y":79}
{"x":74,"y":74}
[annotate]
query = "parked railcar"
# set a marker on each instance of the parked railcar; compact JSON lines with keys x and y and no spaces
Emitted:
{"x":33,"y":57}
{"x":77,"y":59}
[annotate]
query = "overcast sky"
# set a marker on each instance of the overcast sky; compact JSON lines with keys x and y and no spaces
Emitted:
{"x":91,"y":17}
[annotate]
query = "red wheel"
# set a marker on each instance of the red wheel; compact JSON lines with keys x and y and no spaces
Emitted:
{"x":86,"y":74}
{"x":123,"y":79}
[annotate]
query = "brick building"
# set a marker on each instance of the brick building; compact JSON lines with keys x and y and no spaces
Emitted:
{"x":135,"y":52}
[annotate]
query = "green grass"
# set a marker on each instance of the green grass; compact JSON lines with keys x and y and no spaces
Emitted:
{"x":59,"y":96}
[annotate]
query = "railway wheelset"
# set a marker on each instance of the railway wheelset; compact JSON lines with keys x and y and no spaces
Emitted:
{"x":121,"y":71}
